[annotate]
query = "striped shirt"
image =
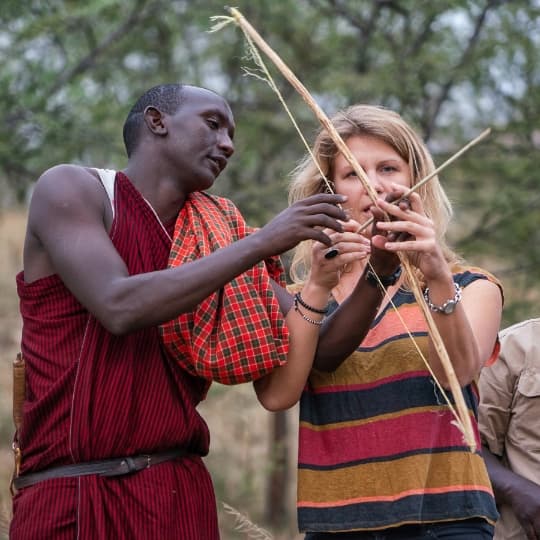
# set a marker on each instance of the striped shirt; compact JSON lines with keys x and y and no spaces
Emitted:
{"x":377,"y":443}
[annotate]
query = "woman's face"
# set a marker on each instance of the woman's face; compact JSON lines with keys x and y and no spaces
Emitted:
{"x":383,"y":166}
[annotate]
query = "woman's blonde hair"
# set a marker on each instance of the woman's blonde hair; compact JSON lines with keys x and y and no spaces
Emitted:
{"x":389,"y":127}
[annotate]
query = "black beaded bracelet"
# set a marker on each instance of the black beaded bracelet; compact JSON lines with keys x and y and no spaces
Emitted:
{"x":299,"y":299}
{"x":385,"y":281}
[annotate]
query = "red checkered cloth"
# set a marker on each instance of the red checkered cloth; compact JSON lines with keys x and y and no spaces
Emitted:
{"x":238,"y":333}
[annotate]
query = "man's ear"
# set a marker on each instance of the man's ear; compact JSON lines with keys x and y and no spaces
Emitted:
{"x":153,"y":119}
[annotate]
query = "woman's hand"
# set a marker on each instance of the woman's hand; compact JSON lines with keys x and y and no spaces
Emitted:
{"x":350,"y":246}
{"x":411,"y":231}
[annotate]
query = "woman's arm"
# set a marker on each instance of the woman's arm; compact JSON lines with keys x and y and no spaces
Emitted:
{"x":282,"y":388}
{"x":469,"y":332}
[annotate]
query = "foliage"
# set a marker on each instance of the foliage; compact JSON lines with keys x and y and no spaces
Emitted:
{"x":71,"y":70}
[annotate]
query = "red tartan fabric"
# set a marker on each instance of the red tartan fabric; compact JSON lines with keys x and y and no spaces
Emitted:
{"x":238,"y":333}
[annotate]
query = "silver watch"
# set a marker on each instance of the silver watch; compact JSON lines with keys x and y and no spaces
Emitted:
{"x":449,"y":306}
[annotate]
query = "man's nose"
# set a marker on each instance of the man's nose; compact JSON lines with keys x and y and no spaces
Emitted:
{"x":226,"y":144}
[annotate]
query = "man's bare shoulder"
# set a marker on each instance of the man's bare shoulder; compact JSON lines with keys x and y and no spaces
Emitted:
{"x":68,"y":183}
{"x":66,"y":172}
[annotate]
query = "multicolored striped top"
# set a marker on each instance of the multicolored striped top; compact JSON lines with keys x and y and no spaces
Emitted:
{"x":377,"y":444}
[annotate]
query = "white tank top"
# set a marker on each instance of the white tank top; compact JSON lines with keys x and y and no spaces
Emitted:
{"x":107,"y":177}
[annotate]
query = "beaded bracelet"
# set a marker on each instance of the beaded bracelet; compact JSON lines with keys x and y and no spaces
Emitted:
{"x":299,"y":299}
{"x":304,"y":316}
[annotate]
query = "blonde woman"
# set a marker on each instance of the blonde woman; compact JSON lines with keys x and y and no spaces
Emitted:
{"x":379,"y":454}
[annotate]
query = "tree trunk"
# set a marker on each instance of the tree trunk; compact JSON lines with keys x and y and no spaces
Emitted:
{"x":277,"y":500}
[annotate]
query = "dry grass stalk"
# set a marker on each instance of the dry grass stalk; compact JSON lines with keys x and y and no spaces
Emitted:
{"x":5,"y":518}
{"x":245,"y":525}
{"x":306,"y":96}
{"x":462,"y":416}
{"x":463,"y":419}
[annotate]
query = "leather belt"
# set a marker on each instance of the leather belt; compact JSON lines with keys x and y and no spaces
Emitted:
{"x":104,"y":467}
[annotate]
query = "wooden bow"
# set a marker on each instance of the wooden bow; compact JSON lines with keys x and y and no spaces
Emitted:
{"x":254,"y":40}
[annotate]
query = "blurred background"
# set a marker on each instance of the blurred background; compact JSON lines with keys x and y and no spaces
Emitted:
{"x":70,"y":70}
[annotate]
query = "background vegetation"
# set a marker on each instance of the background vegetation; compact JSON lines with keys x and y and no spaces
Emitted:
{"x":71,"y":70}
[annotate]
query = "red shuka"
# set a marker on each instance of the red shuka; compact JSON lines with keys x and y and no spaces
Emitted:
{"x":91,"y":395}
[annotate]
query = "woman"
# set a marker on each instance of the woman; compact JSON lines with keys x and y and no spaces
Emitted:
{"x":379,"y":453}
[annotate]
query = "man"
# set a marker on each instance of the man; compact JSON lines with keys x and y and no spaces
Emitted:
{"x":102,"y":397}
{"x":510,"y":429}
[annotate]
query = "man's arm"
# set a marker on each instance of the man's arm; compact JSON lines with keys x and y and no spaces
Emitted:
{"x":498,"y":385}
{"x":66,"y":226}
{"x":522,"y":495}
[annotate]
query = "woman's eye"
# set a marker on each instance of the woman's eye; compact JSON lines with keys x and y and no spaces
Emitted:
{"x":350,"y":174}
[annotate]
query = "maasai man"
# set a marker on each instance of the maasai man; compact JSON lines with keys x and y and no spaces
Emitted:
{"x":111,"y":441}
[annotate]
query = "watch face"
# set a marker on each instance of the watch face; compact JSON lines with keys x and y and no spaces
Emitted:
{"x":449,"y":307}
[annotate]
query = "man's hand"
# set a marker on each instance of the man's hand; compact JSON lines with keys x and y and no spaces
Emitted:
{"x":522,"y":495}
{"x":525,"y":501}
{"x":304,"y":220}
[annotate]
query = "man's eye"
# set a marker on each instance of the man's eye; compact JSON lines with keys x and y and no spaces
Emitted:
{"x":214,"y":124}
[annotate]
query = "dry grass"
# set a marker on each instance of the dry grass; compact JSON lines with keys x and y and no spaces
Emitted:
{"x":238,"y":459}
{"x":12,"y":225}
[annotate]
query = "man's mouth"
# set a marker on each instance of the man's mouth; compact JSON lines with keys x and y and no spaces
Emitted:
{"x":219,"y":161}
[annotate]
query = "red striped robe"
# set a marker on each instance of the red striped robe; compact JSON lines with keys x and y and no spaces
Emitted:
{"x":92,"y":395}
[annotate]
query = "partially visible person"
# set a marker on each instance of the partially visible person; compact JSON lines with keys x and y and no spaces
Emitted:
{"x":509,"y":419}
{"x":380,"y":455}
{"x":111,"y":439}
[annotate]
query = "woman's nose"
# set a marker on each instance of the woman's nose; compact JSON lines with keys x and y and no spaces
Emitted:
{"x":376,"y":183}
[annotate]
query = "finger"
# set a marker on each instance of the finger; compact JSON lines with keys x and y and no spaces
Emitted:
{"x":416,"y":203}
{"x":354,"y":247}
{"x":330,"y":210}
{"x":324,"y":221}
{"x":320,"y":236}
{"x":409,"y":245}
{"x":351,"y":225}
{"x":332,"y":234}
{"x":411,"y":228}
{"x":331,"y":253}
{"x":414,"y":212}
{"x":346,"y":258}
{"x":332,"y":198}
{"x":324,"y":198}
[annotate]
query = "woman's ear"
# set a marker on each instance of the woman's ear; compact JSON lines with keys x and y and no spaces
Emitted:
{"x":153,"y":119}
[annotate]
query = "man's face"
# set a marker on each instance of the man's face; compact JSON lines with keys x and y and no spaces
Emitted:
{"x":200,"y":137}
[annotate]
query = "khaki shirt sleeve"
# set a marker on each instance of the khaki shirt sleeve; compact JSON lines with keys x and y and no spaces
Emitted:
{"x":497,"y":386}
